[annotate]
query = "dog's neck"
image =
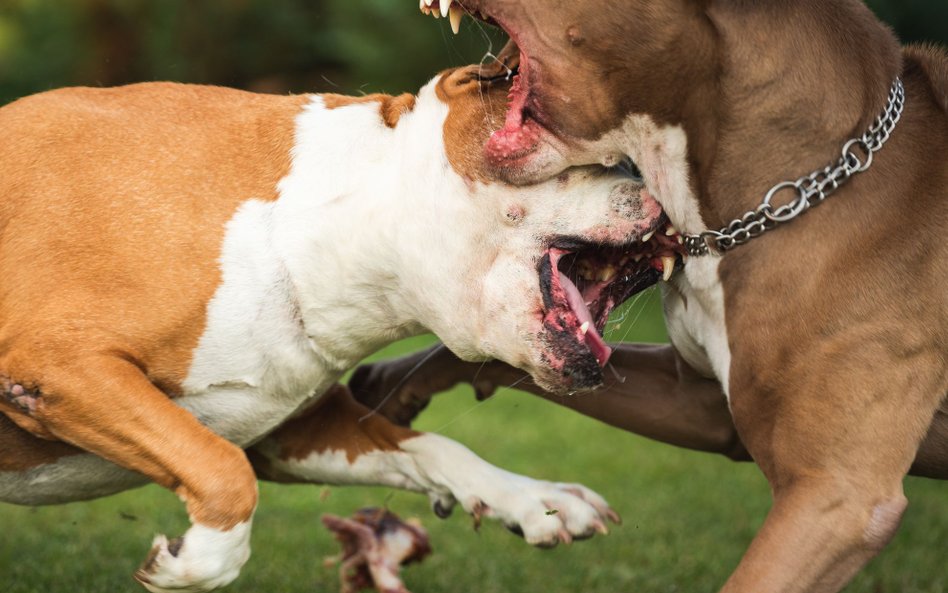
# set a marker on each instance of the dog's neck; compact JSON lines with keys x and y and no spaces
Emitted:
{"x":361,"y":227}
{"x":786,"y":98}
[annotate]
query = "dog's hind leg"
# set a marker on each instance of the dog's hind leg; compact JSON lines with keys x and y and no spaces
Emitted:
{"x":104,"y":404}
{"x":340,"y":441}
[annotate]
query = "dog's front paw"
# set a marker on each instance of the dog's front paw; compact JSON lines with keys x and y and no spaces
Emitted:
{"x":203,"y":559}
{"x":544,"y":513}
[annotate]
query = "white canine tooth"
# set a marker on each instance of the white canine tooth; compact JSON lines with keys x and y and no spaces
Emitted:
{"x":445,"y":6}
{"x":584,"y":327}
{"x":648,"y":236}
{"x":671,"y":230}
{"x":668,"y":267}
{"x":456,"y":13}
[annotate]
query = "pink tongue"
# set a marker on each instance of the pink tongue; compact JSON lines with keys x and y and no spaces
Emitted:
{"x":593,"y":340}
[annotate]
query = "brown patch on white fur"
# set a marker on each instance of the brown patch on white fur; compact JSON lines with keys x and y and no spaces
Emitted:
{"x":475,"y":110}
{"x":391,"y":108}
{"x":338,"y":423}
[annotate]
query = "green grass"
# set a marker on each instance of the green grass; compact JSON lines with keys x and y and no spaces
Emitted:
{"x":688,"y":517}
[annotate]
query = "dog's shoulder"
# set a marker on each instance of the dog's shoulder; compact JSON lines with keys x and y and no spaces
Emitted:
{"x":932,"y":60}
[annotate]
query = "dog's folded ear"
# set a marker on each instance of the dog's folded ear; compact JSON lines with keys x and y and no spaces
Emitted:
{"x":394,"y":107}
{"x":391,"y":108}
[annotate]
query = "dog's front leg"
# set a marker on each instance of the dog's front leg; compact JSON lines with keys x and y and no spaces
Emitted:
{"x":104,"y":404}
{"x":654,"y":393}
{"x":834,"y":428}
{"x":342,"y":442}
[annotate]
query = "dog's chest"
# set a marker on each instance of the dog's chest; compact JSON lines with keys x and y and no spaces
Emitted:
{"x":694,"y":313}
{"x":254,"y":365}
{"x":693,"y":299}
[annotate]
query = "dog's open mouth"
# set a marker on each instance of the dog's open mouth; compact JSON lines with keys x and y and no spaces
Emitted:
{"x":524,"y":125}
{"x":583,"y":282}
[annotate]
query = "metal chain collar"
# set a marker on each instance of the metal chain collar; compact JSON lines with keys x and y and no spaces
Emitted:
{"x":811,"y":190}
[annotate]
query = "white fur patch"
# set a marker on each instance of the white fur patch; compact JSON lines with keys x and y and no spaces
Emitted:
{"x":694,"y":312}
{"x":254,"y":364}
{"x":207,"y":559}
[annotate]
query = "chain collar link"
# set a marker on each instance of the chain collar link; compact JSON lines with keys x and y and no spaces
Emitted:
{"x":810,"y":190}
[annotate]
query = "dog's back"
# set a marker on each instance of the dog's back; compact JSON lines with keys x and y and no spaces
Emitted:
{"x":933,"y":60}
{"x":101,"y":190}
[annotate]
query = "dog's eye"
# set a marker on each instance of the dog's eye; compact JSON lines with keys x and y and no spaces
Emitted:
{"x":628,"y":168}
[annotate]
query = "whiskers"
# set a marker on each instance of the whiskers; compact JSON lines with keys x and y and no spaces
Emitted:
{"x":486,"y":102}
{"x":615,"y":324}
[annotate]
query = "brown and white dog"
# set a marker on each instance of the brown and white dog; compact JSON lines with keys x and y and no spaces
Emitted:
{"x":189,"y":270}
{"x":820,"y":347}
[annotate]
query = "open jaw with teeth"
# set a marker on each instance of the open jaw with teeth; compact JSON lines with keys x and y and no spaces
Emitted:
{"x":442,"y":8}
{"x":582,"y":283}
{"x":524,"y":125}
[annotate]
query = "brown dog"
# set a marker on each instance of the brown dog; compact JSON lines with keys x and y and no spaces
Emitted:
{"x":828,"y":331}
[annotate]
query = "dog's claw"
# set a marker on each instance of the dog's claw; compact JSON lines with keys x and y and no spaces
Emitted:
{"x":478,"y":511}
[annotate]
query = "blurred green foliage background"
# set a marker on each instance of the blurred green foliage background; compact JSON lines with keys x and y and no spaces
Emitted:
{"x":270,"y":45}
{"x":278,"y":46}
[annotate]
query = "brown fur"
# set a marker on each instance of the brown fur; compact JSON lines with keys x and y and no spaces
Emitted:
{"x":933,"y":61}
{"x":836,"y":322}
{"x":477,"y":110}
{"x":391,"y":108}
{"x":110,"y":235}
{"x":20,"y":450}
{"x":336,"y":423}
{"x":108,"y":264}
{"x":117,"y":204}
